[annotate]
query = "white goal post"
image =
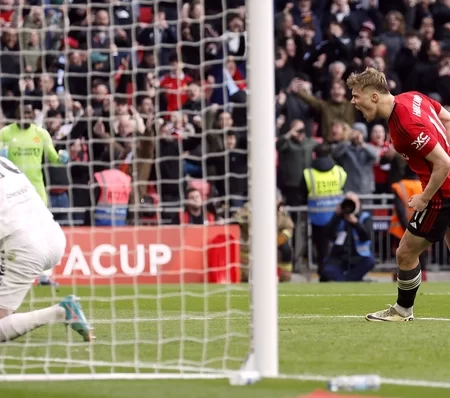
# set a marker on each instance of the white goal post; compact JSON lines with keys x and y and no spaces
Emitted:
{"x":263,"y":186}
{"x":146,"y":290}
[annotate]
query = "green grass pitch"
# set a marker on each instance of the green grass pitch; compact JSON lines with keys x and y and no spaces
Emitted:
{"x":322,"y":331}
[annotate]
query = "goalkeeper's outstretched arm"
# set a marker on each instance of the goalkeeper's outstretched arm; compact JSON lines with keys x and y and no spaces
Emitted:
{"x":53,"y":156}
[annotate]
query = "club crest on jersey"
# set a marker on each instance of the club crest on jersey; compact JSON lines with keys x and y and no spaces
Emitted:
{"x":37,"y":140}
{"x":420,"y":141}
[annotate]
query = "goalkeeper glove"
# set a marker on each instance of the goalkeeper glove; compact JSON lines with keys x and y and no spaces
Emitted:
{"x":4,"y":152}
{"x":63,"y":156}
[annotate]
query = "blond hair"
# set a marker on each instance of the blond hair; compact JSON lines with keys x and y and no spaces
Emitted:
{"x":372,"y":78}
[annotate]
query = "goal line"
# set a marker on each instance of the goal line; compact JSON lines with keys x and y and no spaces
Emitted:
{"x":201,"y":376}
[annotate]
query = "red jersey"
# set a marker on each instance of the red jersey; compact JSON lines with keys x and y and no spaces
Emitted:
{"x":175,"y":88}
{"x":415,"y":130}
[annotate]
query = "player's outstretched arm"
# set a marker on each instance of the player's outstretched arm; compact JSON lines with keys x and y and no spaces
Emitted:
{"x":441,"y":167}
{"x":50,"y":151}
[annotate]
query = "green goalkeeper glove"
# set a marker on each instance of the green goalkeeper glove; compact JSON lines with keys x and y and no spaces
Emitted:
{"x":63,"y":156}
{"x":4,"y":152}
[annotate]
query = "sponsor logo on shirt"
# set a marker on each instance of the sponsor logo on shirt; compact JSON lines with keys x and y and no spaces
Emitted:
{"x":420,"y":141}
{"x":27,"y":152}
{"x":15,"y":194}
{"x":406,"y":157}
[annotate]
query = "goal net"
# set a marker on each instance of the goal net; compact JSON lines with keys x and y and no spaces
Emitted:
{"x":157,"y":91}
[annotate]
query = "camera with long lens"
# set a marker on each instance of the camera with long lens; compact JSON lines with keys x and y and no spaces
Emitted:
{"x":348,"y":206}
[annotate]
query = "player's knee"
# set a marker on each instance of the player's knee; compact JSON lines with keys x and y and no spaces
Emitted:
{"x":406,"y":257}
{"x":400,"y":255}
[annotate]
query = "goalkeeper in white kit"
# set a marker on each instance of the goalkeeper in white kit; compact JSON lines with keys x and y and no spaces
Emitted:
{"x":30,"y":242}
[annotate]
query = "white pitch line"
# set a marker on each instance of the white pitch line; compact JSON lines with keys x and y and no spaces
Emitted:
{"x":236,"y":318}
{"x":201,"y":373}
{"x":397,"y":382}
{"x":243,"y":317}
{"x":345,"y":294}
{"x":307,"y":316}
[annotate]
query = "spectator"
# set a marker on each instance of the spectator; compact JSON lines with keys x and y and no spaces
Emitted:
{"x":193,"y":106}
{"x":236,"y":36}
{"x":351,"y":257}
{"x":303,"y":15}
{"x":392,"y":78}
{"x":285,"y":227}
{"x":336,"y":71}
{"x":337,"y":107}
{"x":159,"y":36}
{"x":393,"y":36}
{"x":194,"y":211}
{"x":174,"y":83}
{"x":293,"y":107}
{"x":168,"y":170}
{"x":285,"y":231}
{"x":322,"y":188}
{"x":407,"y":60}
{"x":357,"y":158}
{"x":110,"y":191}
{"x":295,"y":151}
{"x":385,"y":156}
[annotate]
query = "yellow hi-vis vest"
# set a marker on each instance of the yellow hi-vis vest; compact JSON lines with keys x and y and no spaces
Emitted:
{"x":325,"y":192}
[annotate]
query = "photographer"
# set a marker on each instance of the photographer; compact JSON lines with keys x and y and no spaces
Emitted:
{"x":351,"y":256}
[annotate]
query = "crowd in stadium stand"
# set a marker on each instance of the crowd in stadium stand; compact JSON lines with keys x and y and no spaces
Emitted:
{"x":157,"y":89}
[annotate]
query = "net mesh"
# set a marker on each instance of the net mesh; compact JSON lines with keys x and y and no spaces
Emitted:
{"x":157,"y":90}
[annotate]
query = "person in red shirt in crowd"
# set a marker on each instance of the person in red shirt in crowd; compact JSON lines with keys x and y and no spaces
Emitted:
{"x":386,"y":155}
{"x":419,"y":129}
{"x":6,"y":12}
{"x":196,"y":211}
{"x":236,"y":74}
{"x":175,"y":85}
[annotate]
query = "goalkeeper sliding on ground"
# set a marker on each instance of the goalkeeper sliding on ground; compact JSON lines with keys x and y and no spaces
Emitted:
{"x":25,"y":144}
{"x":31,"y":242}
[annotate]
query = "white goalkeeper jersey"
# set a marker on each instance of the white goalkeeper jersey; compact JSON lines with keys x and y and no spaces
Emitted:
{"x":21,"y":208}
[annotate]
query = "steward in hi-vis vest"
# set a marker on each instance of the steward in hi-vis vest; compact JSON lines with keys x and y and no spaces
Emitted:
{"x":325,"y":192}
{"x":402,"y":213}
{"x":112,"y":205}
{"x":322,"y":189}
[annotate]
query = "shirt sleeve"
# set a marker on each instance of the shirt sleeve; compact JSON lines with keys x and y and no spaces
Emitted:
{"x":436,"y":105}
{"x":421,"y":141}
{"x":49,"y":149}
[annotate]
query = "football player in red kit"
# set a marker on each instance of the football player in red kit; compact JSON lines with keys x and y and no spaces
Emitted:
{"x":419,"y":129}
